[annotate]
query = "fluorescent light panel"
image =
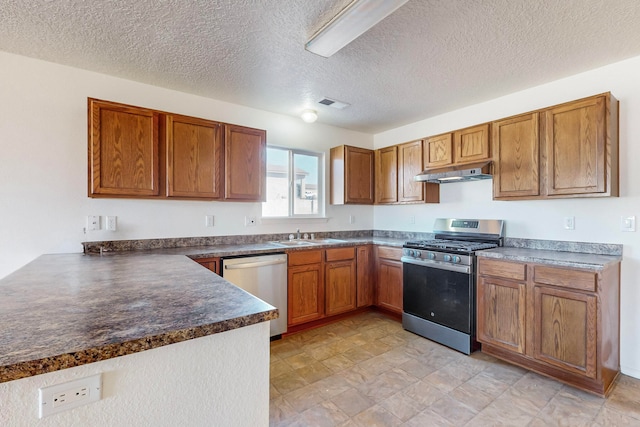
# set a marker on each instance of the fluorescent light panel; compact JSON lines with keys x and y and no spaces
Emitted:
{"x":353,"y":21}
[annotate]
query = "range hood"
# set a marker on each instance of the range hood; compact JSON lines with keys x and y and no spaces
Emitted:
{"x":456,"y":173}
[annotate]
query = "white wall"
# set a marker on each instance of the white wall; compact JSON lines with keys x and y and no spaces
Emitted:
{"x":597,"y":220}
{"x":43,"y":165}
{"x":217,"y":380}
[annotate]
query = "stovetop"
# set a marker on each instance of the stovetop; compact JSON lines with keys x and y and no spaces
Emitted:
{"x":449,"y":245}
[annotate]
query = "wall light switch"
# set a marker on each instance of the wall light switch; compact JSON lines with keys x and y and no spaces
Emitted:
{"x":628,"y":223}
{"x":208,"y":221}
{"x":352,"y":219}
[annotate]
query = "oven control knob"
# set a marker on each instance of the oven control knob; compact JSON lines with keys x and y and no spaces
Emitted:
{"x":417,"y":254}
{"x":431,"y":255}
{"x":456,"y":259}
{"x":447,"y":258}
{"x":412,"y":252}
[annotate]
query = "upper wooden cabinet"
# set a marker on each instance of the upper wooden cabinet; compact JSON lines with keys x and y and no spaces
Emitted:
{"x":123,"y":150}
{"x":570,"y":150}
{"x":245,"y":151}
{"x":351,"y":175}
{"x":516,"y":157}
{"x":395,"y":168}
{"x":386,"y":161}
{"x":133,"y":150}
{"x":194,"y":157}
{"x":438,"y":150}
{"x":579,"y":151}
{"x":471,"y":144}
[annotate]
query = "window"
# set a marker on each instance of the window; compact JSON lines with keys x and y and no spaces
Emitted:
{"x":294,"y":183}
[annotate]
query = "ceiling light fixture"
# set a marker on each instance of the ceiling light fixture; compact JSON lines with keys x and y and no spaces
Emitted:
{"x":354,"y":20}
{"x":309,"y":116}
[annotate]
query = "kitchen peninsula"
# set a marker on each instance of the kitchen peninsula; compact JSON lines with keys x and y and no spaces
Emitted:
{"x":70,"y":310}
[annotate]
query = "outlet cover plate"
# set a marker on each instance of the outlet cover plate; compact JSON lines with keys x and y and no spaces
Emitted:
{"x":628,"y":223}
{"x":65,"y":396}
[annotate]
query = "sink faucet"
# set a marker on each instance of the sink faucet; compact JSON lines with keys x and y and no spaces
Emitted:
{"x":298,"y":234}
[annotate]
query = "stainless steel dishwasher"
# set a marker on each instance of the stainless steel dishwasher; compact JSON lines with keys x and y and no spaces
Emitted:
{"x":264,"y":276}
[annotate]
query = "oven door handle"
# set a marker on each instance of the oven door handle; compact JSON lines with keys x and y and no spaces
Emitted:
{"x":438,"y":265}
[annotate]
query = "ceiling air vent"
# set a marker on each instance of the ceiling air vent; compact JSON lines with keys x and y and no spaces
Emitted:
{"x":338,"y":105}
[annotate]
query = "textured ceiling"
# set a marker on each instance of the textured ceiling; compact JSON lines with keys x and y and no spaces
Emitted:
{"x":429,"y":57}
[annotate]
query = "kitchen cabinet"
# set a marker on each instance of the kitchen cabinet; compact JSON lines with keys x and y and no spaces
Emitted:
{"x":558,"y":321}
{"x":212,"y":263}
{"x":389,"y":278}
{"x":438,"y":150}
{"x":340,"y":280}
{"x":396,"y":167}
{"x":305,"y":287}
{"x":581,"y":157}
{"x":365,"y":279}
{"x":351,"y":175}
{"x":516,"y":157}
{"x":471,"y":144}
{"x":142,"y":153}
{"x":569,"y":150}
{"x":386,"y":176}
{"x":245,"y":151}
{"x":194,"y":157}
{"x":123,"y":150}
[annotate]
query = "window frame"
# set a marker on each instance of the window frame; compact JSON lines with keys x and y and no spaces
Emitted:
{"x":291,"y":184}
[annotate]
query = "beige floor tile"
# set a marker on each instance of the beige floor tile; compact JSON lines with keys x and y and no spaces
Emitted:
{"x":314,"y":372}
{"x":471,"y":396}
{"x":279,"y":367}
{"x":357,"y":354}
{"x":325,"y":414}
{"x":402,"y":407}
{"x":338,"y":363}
{"x":625,"y":397}
{"x":288,"y":382}
{"x":428,"y":418}
{"x":571,"y":407}
{"x":424,"y":392}
{"x":332,"y":386}
{"x":352,"y":402}
{"x":376,"y":416}
{"x":609,"y":417}
{"x":453,"y":410}
{"x":303,"y":398}
{"x":300,"y":360}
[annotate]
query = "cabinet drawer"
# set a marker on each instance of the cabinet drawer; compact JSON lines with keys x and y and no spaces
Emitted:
{"x":305,"y":257}
{"x":574,"y":279}
{"x":389,"y":253}
{"x":339,"y":254}
{"x":505,"y":269}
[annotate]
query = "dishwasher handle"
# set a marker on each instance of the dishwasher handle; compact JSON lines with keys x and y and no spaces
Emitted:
{"x":254,"y":264}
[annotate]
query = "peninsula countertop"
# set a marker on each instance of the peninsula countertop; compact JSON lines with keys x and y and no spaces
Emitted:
{"x":61,"y":311}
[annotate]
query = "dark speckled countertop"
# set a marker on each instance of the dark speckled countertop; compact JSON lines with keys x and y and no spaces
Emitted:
{"x":66,"y":310}
{"x":551,"y":257}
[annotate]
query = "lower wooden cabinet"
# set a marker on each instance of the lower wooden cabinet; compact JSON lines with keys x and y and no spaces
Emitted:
{"x":305,"y":289}
{"x":365,"y":279}
{"x":340,"y":280}
{"x":558,"y":321}
{"x":389,"y":278}
{"x":212,"y":263}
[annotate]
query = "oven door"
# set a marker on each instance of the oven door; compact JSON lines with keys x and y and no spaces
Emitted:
{"x":443,"y":294}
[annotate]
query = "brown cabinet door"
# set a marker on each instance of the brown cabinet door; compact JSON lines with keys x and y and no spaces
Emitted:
{"x":575,"y":140}
{"x":340,"y":286}
{"x":516,"y":151}
{"x":438,"y":150}
{"x":471,"y":144}
{"x":245,"y":163}
{"x":194,"y":157}
{"x":305,"y":293}
{"x":123,"y":150}
{"x":212,"y":264}
{"x":359,"y":176}
{"x":389,"y":285}
{"x":565,"y":329}
{"x":501,"y":313}
{"x":365,"y":280}
{"x":410,"y":160}
{"x":387,"y":175}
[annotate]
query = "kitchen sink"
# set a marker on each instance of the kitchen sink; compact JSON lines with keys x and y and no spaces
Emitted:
{"x":295,"y":243}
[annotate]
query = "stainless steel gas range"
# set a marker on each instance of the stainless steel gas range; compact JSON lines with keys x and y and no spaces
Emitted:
{"x":439,"y":280}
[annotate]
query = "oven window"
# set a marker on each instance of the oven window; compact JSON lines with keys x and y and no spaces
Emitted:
{"x":441,"y":296}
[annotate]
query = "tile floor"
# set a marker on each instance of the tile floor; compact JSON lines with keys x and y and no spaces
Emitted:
{"x":367,"y":371}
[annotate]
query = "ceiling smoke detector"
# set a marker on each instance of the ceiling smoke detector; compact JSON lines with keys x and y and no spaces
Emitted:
{"x":338,"y":105}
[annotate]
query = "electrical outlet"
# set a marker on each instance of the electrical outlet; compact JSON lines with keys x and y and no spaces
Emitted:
{"x":65,"y":396}
{"x":352,"y":219}
{"x":93,"y":223}
{"x":569,"y":223}
{"x":208,"y":221}
{"x":628,"y":223}
{"x":112,"y":223}
{"x":412,"y":219}
{"x":250,"y":221}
